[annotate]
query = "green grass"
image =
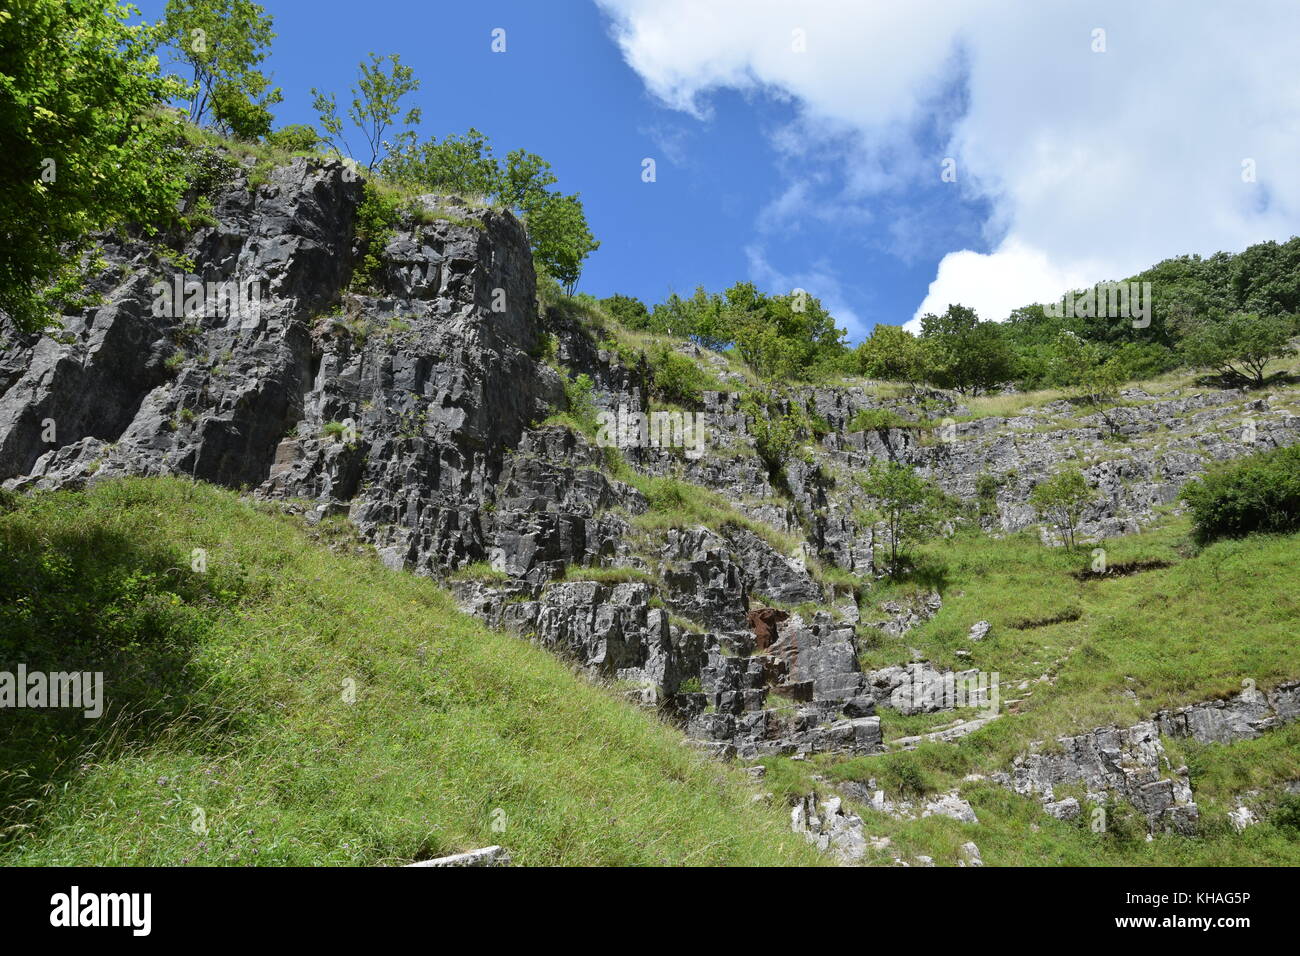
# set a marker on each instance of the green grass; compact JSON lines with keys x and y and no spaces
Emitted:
{"x":226,"y":694}
{"x":1173,"y":636}
{"x":675,"y":503}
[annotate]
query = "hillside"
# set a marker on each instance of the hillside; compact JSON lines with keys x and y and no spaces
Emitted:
{"x":742,"y":588}
{"x":227,"y":693}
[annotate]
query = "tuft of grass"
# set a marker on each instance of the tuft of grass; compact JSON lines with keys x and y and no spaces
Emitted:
{"x":675,"y":503}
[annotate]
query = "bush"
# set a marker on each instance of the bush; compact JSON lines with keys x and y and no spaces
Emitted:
{"x":676,"y":377}
{"x":1256,"y":494}
{"x":1061,"y":500}
{"x":579,"y":394}
{"x":377,"y":216}
{"x":878,"y":420}
{"x":1287,"y":815}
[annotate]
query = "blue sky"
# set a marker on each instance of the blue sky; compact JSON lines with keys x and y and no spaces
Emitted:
{"x":563,"y":90}
{"x":800,"y":144}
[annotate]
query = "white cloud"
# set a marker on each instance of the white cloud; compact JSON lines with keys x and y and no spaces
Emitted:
{"x":1013,"y":276}
{"x":1093,"y":164}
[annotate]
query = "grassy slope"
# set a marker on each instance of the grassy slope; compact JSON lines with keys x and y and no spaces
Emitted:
{"x":226,"y":688}
{"x":1184,"y":633}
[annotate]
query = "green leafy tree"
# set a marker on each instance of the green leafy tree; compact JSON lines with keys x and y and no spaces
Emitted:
{"x":910,"y":508}
{"x":891,"y":352}
{"x":962,"y":353}
{"x":1061,"y":501}
{"x":560,"y":237}
{"x":86,"y":144}
{"x":1239,"y":346}
{"x":1094,"y":372}
{"x":223,"y":41}
{"x":376,"y":104}
{"x":462,"y":165}
{"x":782,"y":337}
{"x":627,"y":310}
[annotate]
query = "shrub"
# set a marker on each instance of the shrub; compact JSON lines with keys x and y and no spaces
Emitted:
{"x":878,"y":419}
{"x":676,"y":377}
{"x":377,"y":215}
{"x":582,"y":406}
{"x":1287,"y":815}
{"x":1256,"y":494}
{"x":1061,"y":500}
{"x":1238,"y":347}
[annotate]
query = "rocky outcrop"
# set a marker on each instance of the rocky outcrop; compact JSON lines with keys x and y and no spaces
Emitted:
{"x":412,"y":406}
{"x":1130,"y":763}
{"x":1127,"y":763}
{"x":826,"y":825}
{"x":1243,"y":717}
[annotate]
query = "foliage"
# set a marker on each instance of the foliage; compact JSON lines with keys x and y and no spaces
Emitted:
{"x":1094,"y":371}
{"x":910,"y":507}
{"x":878,"y":420}
{"x":781,"y":337}
{"x":376,"y":102}
{"x":676,"y":377}
{"x":1239,"y":346}
{"x":1061,"y":500}
{"x":963,"y":353}
{"x":778,"y":427}
{"x":86,"y":147}
{"x":376,"y":216}
{"x":557,"y":225}
{"x":579,"y":395}
{"x":223,"y":41}
{"x":1256,"y":494}
{"x":627,"y":310}
{"x":295,"y":138}
{"x":893,"y":353}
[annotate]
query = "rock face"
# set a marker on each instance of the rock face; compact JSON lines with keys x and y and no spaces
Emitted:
{"x":1127,"y":762}
{"x":413,"y":406}
{"x":1243,"y":717}
{"x":1130,"y":763}
{"x":426,"y":385}
{"x":826,"y":825}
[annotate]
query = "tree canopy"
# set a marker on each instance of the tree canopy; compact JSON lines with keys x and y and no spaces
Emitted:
{"x":85,"y":141}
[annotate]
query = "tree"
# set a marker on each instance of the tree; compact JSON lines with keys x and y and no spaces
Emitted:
{"x":1093,"y":371}
{"x":86,"y":145}
{"x":910,"y":507}
{"x":1061,"y":500}
{"x":628,"y":310}
{"x":223,"y":41}
{"x":376,"y":102}
{"x":1240,"y":346}
{"x":963,"y":353}
{"x":560,"y":238}
{"x":890,"y":352}
{"x":461,"y":164}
